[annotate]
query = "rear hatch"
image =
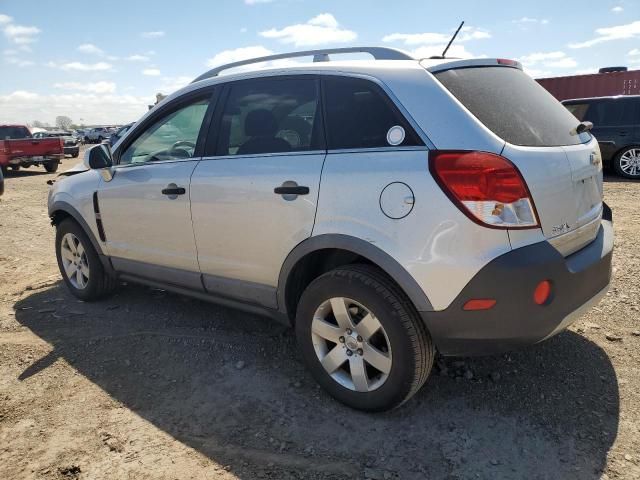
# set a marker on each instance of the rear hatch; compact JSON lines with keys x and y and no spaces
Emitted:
{"x":562,"y":169}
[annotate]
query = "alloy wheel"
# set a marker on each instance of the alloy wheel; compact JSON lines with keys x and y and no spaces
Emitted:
{"x":630,"y":162}
{"x":351,"y":344}
{"x":74,"y":261}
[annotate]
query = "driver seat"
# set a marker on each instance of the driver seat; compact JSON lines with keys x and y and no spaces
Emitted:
{"x":262,"y":127}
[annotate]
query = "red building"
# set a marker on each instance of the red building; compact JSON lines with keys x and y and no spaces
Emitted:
{"x":620,"y":81}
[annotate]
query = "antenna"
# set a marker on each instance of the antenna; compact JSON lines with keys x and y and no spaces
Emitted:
{"x":444,"y":52}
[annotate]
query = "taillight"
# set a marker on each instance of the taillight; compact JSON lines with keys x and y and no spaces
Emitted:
{"x":488,"y":188}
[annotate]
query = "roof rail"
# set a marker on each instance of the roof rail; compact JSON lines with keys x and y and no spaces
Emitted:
{"x":379,"y":53}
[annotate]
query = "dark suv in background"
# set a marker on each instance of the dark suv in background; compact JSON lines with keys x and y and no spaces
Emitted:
{"x":616,"y":125}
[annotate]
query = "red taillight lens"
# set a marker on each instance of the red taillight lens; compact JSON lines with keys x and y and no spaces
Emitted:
{"x":542,"y":293}
{"x":487,"y":187}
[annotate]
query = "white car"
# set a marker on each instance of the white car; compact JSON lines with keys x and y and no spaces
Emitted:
{"x":386,"y":209}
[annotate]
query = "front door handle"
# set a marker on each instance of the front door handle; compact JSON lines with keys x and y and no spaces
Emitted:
{"x":297,"y":190}
{"x":173,"y":190}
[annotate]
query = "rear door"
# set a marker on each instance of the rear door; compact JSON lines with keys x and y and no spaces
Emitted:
{"x":614,"y":124}
{"x":562,"y":169}
{"x":254,"y":194}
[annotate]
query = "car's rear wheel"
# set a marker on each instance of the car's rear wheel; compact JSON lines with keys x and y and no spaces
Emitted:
{"x":627,"y":163}
{"x":79,"y":263}
{"x":362,"y":339}
{"x":51,"y":167}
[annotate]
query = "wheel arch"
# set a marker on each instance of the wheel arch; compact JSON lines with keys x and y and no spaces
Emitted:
{"x":61,"y":210}
{"x":321,"y":253}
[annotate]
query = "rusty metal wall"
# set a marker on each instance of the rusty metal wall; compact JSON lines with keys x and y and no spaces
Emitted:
{"x":595,"y":85}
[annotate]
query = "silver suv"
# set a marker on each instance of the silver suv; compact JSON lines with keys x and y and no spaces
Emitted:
{"x":386,"y":209}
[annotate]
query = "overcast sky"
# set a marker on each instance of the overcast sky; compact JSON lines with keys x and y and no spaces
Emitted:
{"x":103,"y":62}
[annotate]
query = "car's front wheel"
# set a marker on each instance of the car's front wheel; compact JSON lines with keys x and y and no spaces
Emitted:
{"x":362,"y":338}
{"x":79,"y":263}
{"x":627,"y":163}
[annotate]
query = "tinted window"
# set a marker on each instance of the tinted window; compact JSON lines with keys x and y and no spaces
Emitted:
{"x":7,"y":133}
{"x":607,"y":113}
{"x":173,"y":137}
{"x":359,"y":115}
{"x":513,"y":105}
{"x":578,"y":109}
{"x":270,"y":116}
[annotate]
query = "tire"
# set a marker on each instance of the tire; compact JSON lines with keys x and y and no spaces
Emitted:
{"x":4,"y":169}
{"x":87,"y":139}
{"x":75,"y":155}
{"x":627,"y":163}
{"x":401,"y":347}
{"x":100,"y":139}
{"x":51,"y":167}
{"x":15,"y":168}
{"x":94,"y":283}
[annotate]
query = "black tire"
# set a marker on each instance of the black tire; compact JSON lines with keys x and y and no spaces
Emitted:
{"x":411,"y":345}
{"x":99,"y":283}
{"x":75,"y":155}
{"x":51,"y":167}
{"x":618,"y":168}
{"x":15,"y":168}
{"x":87,"y":140}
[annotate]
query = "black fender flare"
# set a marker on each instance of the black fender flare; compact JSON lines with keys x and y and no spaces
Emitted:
{"x":359,"y":247}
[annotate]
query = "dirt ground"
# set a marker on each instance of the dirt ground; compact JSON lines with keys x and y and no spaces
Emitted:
{"x":148,"y":384}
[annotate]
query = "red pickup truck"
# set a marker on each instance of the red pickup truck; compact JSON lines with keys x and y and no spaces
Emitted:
{"x":19,"y":149}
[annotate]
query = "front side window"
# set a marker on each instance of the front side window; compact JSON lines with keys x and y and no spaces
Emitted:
{"x":359,"y":115}
{"x":173,"y":137}
{"x":270,"y":116}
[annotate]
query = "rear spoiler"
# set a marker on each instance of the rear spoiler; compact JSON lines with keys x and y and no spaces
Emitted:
{"x":441,"y":66}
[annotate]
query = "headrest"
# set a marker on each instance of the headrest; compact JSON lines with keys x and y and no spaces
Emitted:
{"x":260,"y":123}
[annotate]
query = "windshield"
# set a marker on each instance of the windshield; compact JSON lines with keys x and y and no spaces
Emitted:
{"x":513,"y":106}
{"x":8,"y":133}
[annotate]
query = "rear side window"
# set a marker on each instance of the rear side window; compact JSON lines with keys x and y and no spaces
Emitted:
{"x":513,"y":105}
{"x":8,"y":133}
{"x":579,"y":110}
{"x":610,"y":113}
{"x":360,"y":115}
{"x":270,"y":116}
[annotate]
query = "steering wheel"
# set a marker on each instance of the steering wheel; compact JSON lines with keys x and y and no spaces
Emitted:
{"x":182,"y":143}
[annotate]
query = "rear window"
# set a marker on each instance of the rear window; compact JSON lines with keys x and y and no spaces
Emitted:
{"x":513,"y":105}
{"x":8,"y":133}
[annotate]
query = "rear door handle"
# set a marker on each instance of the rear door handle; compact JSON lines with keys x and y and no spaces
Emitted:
{"x":173,"y":190}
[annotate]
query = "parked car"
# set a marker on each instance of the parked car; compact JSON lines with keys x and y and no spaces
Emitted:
{"x":71,"y":144}
{"x":414,"y":206}
{"x":96,"y":135}
{"x":117,"y":135}
{"x":616,"y":125}
{"x":18,"y":149}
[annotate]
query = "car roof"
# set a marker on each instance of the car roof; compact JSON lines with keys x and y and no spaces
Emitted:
{"x":609,"y":97}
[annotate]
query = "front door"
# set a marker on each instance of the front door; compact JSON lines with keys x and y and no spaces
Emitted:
{"x":145,"y":208}
{"x":254,"y":194}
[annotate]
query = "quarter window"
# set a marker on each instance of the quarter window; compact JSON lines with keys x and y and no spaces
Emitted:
{"x":270,"y":116}
{"x":359,"y":115}
{"x":173,"y":137}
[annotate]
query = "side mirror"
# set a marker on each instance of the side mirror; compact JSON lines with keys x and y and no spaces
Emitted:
{"x":99,"y":158}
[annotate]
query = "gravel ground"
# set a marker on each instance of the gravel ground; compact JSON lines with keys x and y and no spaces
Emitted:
{"x":147,"y":384}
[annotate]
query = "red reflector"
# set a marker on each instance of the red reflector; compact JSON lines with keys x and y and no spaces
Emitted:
{"x":479,"y":304}
{"x":542,"y":293}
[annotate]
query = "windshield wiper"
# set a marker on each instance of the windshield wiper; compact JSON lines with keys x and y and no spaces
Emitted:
{"x":581,"y":128}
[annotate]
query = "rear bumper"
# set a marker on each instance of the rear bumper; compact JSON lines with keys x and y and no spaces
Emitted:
{"x":72,"y":150}
{"x":22,"y":161}
{"x":579,"y":282}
